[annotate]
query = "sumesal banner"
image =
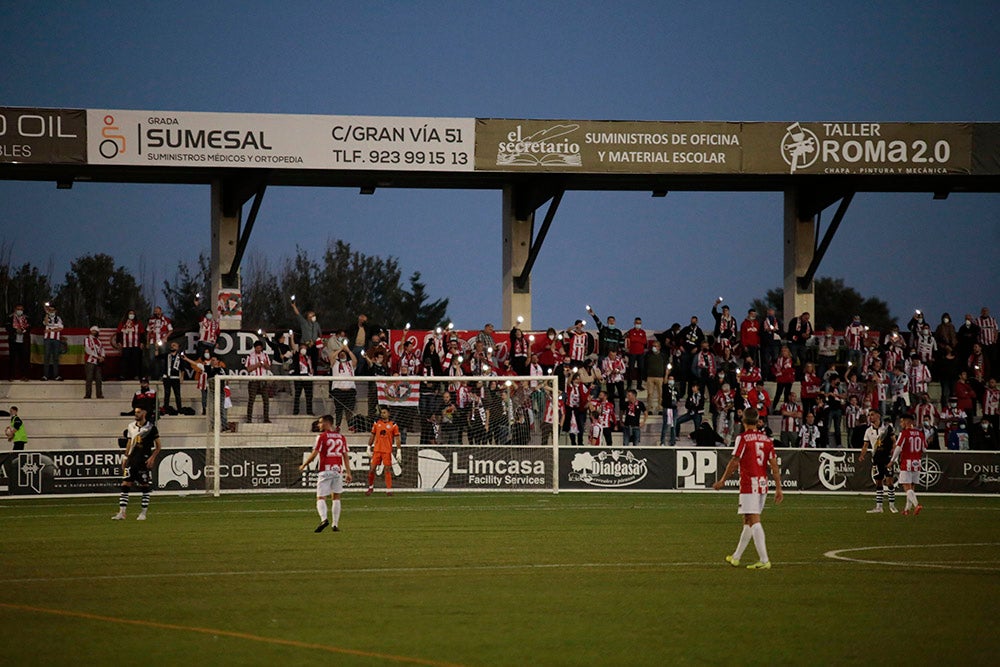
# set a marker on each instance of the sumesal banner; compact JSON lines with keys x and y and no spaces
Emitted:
{"x":278,"y":141}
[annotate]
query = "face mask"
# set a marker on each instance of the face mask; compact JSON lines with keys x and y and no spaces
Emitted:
{"x":670,"y":383}
{"x":312,"y":318}
{"x":302,"y":351}
{"x":131,"y":316}
{"x":208,"y":316}
{"x":946,"y":320}
{"x":656,"y":350}
{"x":968,"y":323}
{"x":208,"y":355}
{"x":19,"y":312}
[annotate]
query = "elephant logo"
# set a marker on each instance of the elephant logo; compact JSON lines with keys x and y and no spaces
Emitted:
{"x":177,"y":467}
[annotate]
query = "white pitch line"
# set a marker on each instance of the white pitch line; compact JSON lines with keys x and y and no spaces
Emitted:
{"x":388,"y":570}
{"x":837,"y":555}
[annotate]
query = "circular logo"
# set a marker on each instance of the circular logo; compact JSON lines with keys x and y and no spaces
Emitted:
{"x":799,"y":147}
{"x":930,"y":473}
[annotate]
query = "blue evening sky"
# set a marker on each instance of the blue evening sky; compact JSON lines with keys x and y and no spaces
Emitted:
{"x":626,"y":253}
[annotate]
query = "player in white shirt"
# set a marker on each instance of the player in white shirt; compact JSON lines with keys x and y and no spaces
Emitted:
{"x":334,"y":469}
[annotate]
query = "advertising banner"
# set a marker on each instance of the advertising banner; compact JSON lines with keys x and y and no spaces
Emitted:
{"x":279,"y":141}
{"x":678,"y":148}
{"x":43,"y":136}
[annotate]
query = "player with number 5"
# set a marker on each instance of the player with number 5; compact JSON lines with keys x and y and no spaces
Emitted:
{"x":753,"y":454}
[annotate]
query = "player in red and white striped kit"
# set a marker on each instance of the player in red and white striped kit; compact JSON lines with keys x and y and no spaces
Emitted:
{"x":334,"y":470}
{"x":753,"y":454}
{"x":909,"y":451}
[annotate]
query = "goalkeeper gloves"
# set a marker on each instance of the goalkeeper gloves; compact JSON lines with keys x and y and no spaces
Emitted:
{"x":396,"y":468}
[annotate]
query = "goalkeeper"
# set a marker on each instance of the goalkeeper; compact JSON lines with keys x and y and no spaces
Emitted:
{"x":385,"y":433}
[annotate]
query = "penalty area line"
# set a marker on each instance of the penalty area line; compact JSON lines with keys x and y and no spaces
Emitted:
{"x":838,"y":554}
{"x":229,"y":633}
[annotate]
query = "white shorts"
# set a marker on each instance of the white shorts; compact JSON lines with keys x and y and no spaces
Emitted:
{"x":909,"y":477}
{"x":751,"y":503}
{"x":329,"y":481}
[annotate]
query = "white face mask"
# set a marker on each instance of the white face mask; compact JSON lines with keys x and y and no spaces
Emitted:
{"x":131,"y":316}
{"x":208,"y":316}
{"x":312,"y":318}
{"x":302,"y":351}
{"x":19,"y":312}
{"x":208,"y":355}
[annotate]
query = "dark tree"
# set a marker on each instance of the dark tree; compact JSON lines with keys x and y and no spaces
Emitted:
{"x":95,"y":292}
{"x":189,"y":297}
{"x":836,"y":304}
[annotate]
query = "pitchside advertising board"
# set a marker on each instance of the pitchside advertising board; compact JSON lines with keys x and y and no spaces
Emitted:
{"x":475,"y":468}
{"x":107,"y":137}
{"x":424,"y":467}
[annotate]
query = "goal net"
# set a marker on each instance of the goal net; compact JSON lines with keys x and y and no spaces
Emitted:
{"x":465,"y":433}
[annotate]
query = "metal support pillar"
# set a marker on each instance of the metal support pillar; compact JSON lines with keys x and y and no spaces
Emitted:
{"x":800,"y":246}
{"x":517,"y":228}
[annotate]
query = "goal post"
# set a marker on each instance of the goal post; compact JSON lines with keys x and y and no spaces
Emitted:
{"x":458,"y":433}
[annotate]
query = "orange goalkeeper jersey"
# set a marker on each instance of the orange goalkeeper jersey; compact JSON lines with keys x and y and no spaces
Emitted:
{"x":385,"y":432}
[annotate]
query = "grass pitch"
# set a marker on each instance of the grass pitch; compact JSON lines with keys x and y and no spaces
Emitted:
{"x":498,"y":579}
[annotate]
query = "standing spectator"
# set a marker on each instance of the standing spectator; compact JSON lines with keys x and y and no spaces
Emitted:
{"x":968,"y":335}
{"x":854,"y":338}
{"x":17,"y":434}
{"x":978,"y":367}
{"x":724,"y":402}
{"x":924,"y":345}
{"x":580,"y":345}
{"x":791,"y":419}
{"x":52,"y":342}
{"x":613,"y":370}
{"x":552,"y":351}
{"x":952,"y":416}
{"x":988,"y":335}
{"x":946,"y":372}
{"x":828,"y":346}
{"x":749,"y":375}
{"x":881,"y":384}
{"x":703,"y":365}
{"x":691,"y":338}
{"x":669,"y":405}
{"x":945,"y":333}
{"x":771,"y":337}
{"x":991,"y":405}
{"x":208,"y":333}
{"x":577,"y":395}
{"x":409,"y":361}
{"x":158,"y":330}
{"x":915,"y":323}
{"x":759,"y":399}
{"x":893,"y":347}
{"x":656,"y":372}
{"x":983,"y":436}
{"x":18,"y":343}
{"x":726,"y":328}
{"x":854,"y":418}
{"x":754,"y":450}
{"x":309,"y":332}
{"x":204,"y":370}
{"x":359,"y":335}
{"x":810,"y":388}
{"x":520,"y":351}
{"x":784,"y":373}
{"x":258,"y":365}
{"x":965,"y":394}
{"x":835,"y":397}
{"x":430,"y":359}
{"x":920,"y":376}
{"x":635,"y":346}
{"x":750,"y":336}
{"x":93,"y":359}
{"x":800,"y":330}
{"x":809,"y":432}
{"x":609,"y":336}
{"x":603,"y":420}
{"x":130,"y":336}
{"x":170,"y":368}
{"x":633,"y":418}
{"x":489,"y":344}
{"x":343,"y":389}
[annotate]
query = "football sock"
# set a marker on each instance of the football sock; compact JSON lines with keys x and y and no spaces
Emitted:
{"x":123,"y":498}
{"x":336,"y":512}
{"x":892,"y":494}
{"x":145,"y":500}
{"x":911,"y":498}
{"x":744,"y":541}
{"x":878,"y":496}
{"x":758,"y":541}
{"x":321,"y":508}
{"x":388,"y":479}
{"x":371,"y":478}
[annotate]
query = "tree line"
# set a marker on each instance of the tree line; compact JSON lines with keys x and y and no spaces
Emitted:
{"x":339,"y":285}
